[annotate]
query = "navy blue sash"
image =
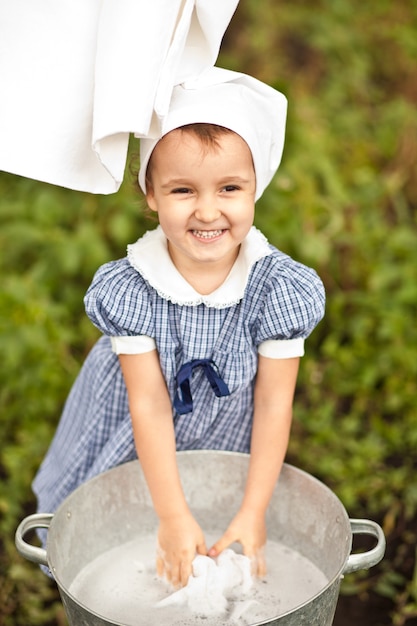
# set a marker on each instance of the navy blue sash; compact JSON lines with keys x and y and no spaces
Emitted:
{"x":183,"y":401}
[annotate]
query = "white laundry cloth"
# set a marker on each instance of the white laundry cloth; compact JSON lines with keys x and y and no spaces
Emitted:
{"x":215,"y":583}
{"x":77,"y":76}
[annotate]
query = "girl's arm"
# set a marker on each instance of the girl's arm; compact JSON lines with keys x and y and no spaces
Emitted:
{"x":179,"y":535}
{"x":274,"y":394}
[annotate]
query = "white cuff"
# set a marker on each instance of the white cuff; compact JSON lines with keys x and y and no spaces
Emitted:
{"x":282,"y":348}
{"x":132,"y":345}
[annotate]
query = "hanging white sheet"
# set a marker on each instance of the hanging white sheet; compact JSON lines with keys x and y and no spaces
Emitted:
{"x":78,"y":76}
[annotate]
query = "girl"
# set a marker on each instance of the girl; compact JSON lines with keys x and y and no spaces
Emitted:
{"x":204,"y":323}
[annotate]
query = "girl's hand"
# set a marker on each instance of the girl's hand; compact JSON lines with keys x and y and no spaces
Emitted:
{"x":179,"y":539}
{"x":249,"y":529}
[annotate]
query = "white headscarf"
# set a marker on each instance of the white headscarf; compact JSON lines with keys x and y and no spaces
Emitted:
{"x":239,"y":102}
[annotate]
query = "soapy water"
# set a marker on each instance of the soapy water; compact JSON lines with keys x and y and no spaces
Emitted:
{"x":121,"y":585}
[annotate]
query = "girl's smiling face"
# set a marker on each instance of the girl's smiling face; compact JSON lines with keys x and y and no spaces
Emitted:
{"x":205,"y":199}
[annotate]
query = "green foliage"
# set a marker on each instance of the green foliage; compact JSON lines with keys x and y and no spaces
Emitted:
{"x":343,"y":201}
{"x":52,"y":242}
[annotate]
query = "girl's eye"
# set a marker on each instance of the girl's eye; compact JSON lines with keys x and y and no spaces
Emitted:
{"x":230,"y":188}
{"x":181,"y":190}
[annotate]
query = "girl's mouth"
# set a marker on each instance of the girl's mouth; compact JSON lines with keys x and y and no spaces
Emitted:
{"x":207,"y":234}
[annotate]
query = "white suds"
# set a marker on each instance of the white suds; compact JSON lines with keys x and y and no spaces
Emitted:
{"x":121,"y":585}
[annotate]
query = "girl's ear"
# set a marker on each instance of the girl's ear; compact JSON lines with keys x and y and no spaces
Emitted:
{"x":150,"y":198}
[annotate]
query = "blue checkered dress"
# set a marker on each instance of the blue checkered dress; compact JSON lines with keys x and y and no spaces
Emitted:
{"x":283,"y":300}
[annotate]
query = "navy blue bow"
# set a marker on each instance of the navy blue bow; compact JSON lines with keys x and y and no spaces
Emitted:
{"x":183,"y":401}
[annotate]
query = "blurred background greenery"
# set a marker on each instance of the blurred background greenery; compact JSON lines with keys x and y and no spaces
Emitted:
{"x":343,"y":201}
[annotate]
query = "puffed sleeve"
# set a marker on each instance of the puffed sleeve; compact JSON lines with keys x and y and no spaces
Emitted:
{"x":294,"y":305}
{"x":118,"y":303}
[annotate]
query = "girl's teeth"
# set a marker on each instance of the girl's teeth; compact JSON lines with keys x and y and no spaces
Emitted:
{"x":207,"y":234}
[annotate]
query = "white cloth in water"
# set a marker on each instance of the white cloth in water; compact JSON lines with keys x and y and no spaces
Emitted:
{"x":215,"y":583}
{"x":77,"y":76}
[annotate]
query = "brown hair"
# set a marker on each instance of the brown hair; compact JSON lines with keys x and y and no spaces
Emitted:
{"x":208,"y":134}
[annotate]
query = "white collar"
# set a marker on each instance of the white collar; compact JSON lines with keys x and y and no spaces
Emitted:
{"x":150,"y":257}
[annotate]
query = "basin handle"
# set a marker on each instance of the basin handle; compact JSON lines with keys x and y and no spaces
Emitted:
{"x":365,"y":560}
{"x":29,"y":552}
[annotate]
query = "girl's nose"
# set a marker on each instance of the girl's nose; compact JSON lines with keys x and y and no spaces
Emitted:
{"x":207,"y":210}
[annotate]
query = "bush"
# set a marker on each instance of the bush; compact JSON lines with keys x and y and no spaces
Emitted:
{"x":52,"y":242}
{"x":344,"y":202}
